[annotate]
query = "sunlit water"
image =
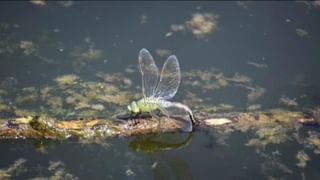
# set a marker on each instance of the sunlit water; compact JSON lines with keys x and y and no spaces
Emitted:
{"x":272,"y":46}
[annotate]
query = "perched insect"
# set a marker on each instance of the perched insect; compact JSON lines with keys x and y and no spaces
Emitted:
{"x":158,"y":90}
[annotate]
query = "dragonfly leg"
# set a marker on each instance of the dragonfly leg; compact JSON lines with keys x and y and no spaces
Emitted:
{"x":156,"y":116}
{"x":134,"y":118}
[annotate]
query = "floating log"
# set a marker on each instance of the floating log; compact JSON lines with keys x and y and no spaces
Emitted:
{"x":43,"y":127}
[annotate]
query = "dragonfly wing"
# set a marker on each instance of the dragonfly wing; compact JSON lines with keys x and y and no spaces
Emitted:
{"x":180,"y":114}
{"x":149,"y":72}
{"x":169,"y":79}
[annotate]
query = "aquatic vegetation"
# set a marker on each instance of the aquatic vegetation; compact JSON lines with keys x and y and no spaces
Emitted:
{"x":178,"y":27}
{"x":121,"y":98}
{"x":55,"y":102}
{"x":205,"y":79}
{"x":3,"y":92}
{"x":274,"y":127}
{"x":302,"y":33}
{"x":270,"y":127}
{"x":69,"y":94}
{"x":24,"y":112}
{"x":98,"y":88}
{"x":254,"y":107}
{"x":200,"y":25}
{"x":68,"y":79}
{"x":14,"y":170}
{"x":45,"y":92}
{"x":192,"y":98}
{"x":303,"y":158}
{"x":31,"y":48}
{"x":213,"y":79}
{"x":316,"y":113}
{"x":84,"y":105}
{"x":269,"y":135}
{"x":100,"y":92}
{"x":115,"y":78}
{"x":213,"y":109}
{"x":27,"y":97}
{"x":273,"y":167}
{"x":243,"y":4}
{"x":38,"y":2}
{"x":58,"y":171}
{"x":203,"y":105}
{"x":316,"y":3}
{"x":131,"y":69}
{"x":4,"y":108}
{"x":97,"y":107}
{"x":65,"y":3}
{"x":129,"y":172}
{"x":55,"y":105}
{"x":239,"y":78}
{"x":87,"y":95}
{"x":8,"y":83}
{"x":143,"y":19}
{"x":163,"y":52}
{"x":18,"y":169}
{"x":28,"y":47}
{"x":89,"y":54}
{"x":258,"y":65}
{"x":8,"y":44}
{"x":288,"y":102}
{"x":314,"y":141}
{"x":255,"y":93}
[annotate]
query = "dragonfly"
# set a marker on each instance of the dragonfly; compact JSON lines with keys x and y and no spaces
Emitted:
{"x":158,"y":90}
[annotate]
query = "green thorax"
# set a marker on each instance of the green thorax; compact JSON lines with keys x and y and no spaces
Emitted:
{"x":149,"y":104}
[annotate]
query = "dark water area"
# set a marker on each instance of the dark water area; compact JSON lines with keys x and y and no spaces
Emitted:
{"x":261,"y":55}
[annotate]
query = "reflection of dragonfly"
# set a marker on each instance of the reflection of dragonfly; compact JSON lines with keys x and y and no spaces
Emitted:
{"x":157,"y":91}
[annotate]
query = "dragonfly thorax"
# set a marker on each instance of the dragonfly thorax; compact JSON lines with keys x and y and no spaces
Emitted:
{"x":149,"y":104}
{"x":145,"y":105}
{"x":133,"y":107}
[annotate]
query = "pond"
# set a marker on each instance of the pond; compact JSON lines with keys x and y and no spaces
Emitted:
{"x":78,"y":59}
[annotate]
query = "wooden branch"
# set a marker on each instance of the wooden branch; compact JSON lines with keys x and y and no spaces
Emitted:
{"x":51,"y":128}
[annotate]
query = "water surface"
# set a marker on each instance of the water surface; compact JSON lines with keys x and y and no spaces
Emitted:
{"x":58,"y":58}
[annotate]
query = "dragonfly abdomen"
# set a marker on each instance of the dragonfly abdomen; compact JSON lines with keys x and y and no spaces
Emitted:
{"x":168,"y":104}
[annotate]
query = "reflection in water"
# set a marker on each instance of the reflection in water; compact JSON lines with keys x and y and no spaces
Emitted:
{"x":165,"y":166}
{"x":155,"y":143}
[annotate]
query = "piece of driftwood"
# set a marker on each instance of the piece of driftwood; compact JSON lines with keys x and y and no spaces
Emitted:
{"x":42,"y":127}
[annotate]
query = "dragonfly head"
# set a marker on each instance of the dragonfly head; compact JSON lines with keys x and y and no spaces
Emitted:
{"x":133,"y":107}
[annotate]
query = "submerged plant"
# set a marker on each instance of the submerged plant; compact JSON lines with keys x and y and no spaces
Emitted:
{"x":68,"y":79}
{"x":269,"y":135}
{"x":200,"y":25}
{"x":14,"y":170}
{"x":303,"y":158}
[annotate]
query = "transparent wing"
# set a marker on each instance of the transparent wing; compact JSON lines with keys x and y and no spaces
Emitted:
{"x":169,"y":79}
{"x":180,"y":114}
{"x":149,"y":72}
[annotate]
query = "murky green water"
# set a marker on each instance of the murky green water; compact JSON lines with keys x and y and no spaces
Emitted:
{"x":80,"y":59}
